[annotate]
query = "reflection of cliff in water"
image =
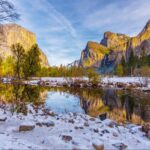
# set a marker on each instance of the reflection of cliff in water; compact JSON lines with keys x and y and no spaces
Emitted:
{"x":127,"y":106}
{"x":120,"y":105}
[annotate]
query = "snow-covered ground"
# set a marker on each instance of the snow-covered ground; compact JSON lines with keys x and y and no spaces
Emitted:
{"x":139,"y":81}
{"x":69,"y":131}
{"x":116,"y":79}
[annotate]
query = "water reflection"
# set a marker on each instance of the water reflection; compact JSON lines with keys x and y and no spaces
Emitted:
{"x":120,"y":105}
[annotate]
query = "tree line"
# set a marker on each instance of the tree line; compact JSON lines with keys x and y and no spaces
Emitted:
{"x":21,"y":64}
{"x":24,"y":64}
{"x":134,"y":65}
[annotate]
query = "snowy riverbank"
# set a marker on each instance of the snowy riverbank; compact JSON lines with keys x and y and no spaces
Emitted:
{"x":139,"y":83}
{"x":69,"y":131}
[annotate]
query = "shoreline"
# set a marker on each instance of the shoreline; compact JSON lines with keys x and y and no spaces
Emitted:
{"x":122,"y":83}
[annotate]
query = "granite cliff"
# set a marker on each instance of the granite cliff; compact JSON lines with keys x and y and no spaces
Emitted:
{"x":12,"y":34}
{"x":105,"y":55}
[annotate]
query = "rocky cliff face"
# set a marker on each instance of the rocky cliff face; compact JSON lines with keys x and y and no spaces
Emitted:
{"x":12,"y":34}
{"x":140,"y":42}
{"x":92,"y":54}
{"x":112,"y":47}
{"x":115,"y":41}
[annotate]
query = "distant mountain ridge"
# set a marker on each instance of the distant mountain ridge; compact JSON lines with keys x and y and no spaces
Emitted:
{"x":12,"y":34}
{"x":105,"y":55}
{"x":74,"y":64}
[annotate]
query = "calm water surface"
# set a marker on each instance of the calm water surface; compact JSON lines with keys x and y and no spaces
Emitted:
{"x":122,"y":106}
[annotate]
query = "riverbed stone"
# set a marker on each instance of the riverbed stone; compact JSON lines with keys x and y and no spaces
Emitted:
{"x":66,"y":138}
{"x":103,"y":116}
{"x":146,"y":129}
{"x":26,"y":128}
{"x":2,"y":119}
{"x":47,"y":112}
{"x":98,"y":146}
{"x":120,"y":146}
{"x":115,"y":134}
{"x":47,"y":124}
{"x":86,"y":124}
{"x":92,"y":119}
{"x":96,"y":130}
{"x":71,"y":121}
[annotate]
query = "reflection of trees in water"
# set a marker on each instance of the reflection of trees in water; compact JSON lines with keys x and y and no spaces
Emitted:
{"x":120,"y":105}
{"x":18,"y":96}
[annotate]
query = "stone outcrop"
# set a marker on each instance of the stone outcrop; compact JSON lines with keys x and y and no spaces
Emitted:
{"x":12,"y":34}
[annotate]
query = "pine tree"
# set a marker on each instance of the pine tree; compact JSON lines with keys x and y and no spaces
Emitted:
{"x":119,"y":70}
{"x":144,"y":58}
{"x":19,"y":55}
{"x":123,"y":63}
{"x":131,"y":62}
{"x":32,"y":62}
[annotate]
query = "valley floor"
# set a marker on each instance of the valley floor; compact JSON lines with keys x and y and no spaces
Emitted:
{"x":41,"y":129}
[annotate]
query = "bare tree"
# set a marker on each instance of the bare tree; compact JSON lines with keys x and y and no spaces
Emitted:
{"x":7,"y":11}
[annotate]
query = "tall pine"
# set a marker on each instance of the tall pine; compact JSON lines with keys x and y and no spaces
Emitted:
{"x":32,"y":62}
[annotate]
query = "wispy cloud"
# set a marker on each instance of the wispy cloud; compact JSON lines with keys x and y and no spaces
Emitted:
{"x":125,"y":16}
{"x":63,"y":27}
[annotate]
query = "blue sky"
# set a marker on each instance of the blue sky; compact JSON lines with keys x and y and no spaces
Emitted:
{"x":63,"y":27}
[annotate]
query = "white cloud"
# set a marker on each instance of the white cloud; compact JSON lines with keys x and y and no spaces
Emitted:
{"x":128,"y":17}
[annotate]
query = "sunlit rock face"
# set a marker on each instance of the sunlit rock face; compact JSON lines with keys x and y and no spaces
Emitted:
{"x":112,"y":47}
{"x":92,"y":54}
{"x":115,"y":41}
{"x":12,"y":34}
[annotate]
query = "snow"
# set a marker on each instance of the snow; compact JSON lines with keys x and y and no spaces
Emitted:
{"x":106,"y":80}
{"x":82,"y":137}
{"x":116,"y":79}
